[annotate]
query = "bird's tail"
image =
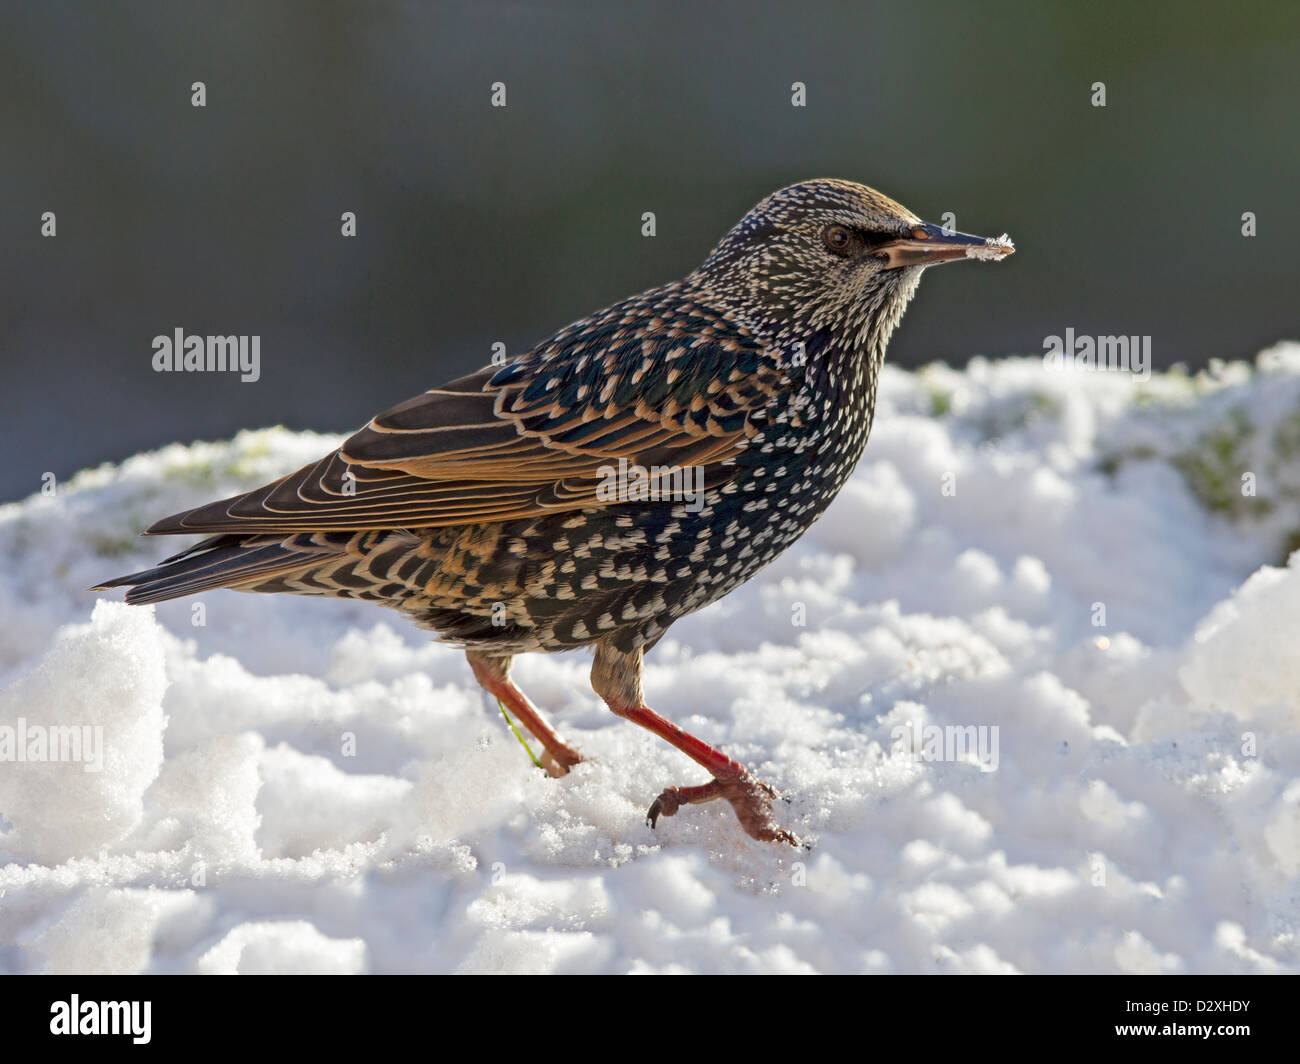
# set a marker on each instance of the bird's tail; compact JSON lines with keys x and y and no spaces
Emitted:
{"x":248,"y":563}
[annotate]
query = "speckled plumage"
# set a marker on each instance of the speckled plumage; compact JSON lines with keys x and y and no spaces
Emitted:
{"x":478,"y":508}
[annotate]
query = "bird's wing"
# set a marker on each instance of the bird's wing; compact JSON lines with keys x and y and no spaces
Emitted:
{"x":531,"y":437}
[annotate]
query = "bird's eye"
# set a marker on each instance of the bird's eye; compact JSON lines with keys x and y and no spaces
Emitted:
{"x":837,"y":239}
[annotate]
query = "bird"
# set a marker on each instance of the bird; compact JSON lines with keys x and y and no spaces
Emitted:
{"x":628,"y":470}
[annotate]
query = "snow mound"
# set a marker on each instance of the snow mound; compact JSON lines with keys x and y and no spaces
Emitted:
{"x":101,"y":687}
{"x":1030,"y":687}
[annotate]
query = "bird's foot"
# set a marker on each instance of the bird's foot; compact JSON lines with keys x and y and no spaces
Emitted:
{"x":750,"y":798}
{"x":558,"y":761}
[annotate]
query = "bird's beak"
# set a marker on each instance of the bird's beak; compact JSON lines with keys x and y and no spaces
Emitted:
{"x":928,"y":245}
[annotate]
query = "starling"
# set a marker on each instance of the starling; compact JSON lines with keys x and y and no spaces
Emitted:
{"x":501,"y":511}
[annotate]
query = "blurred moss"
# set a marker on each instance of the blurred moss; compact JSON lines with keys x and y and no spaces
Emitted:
{"x":940,"y":402}
{"x":1213,"y":468}
{"x":107,"y":545}
{"x":1290,"y":545}
{"x":1286,"y":438}
{"x":1110,"y":464}
{"x":1016,"y":412}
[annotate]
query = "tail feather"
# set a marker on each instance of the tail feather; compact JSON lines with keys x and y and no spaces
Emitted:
{"x":220,"y":561}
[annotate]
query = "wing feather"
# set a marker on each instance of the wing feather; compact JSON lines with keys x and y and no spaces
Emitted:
{"x":674,"y":387}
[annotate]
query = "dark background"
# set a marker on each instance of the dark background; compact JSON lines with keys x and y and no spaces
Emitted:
{"x":479,"y":224}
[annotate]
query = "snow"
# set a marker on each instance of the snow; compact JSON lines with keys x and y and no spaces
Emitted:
{"x":1075,"y":559}
{"x":993,"y":249}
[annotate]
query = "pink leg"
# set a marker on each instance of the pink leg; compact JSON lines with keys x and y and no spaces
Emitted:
{"x":616,"y":676}
{"x":493,"y":675}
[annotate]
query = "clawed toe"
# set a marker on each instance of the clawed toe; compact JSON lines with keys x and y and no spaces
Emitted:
{"x":750,"y":798}
{"x":665,"y":805}
{"x":558,"y":764}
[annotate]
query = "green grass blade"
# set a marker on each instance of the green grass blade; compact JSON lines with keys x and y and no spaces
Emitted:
{"x":522,"y":741}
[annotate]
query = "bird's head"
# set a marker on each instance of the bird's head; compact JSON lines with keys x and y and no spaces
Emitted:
{"x":831,"y":257}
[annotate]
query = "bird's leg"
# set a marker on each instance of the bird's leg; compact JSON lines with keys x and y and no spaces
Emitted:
{"x":616,"y":676}
{"x":493,"y":674}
